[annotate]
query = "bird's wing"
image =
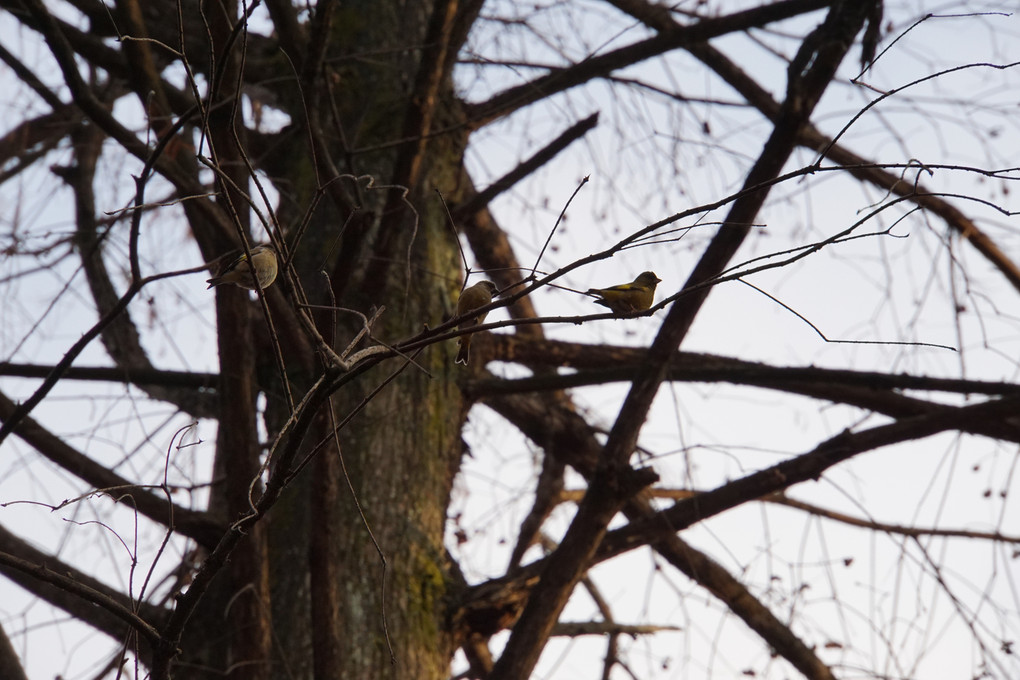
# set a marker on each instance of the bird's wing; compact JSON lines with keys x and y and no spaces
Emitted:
{"x":622,"y":288}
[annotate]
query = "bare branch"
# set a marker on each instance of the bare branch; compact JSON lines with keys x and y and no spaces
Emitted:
{"x":543,"y":87}
{"x":71,"y":590}
{"x":195,"y":525}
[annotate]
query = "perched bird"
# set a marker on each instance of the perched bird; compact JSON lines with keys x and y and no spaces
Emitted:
{"x":472,"y":298}
{"x":263,"y":257}
{"x":636,"y":296}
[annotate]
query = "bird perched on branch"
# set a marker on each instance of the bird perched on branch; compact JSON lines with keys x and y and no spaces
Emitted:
{"x":263,"y":258}
{"x":472,"y":298}
{"x":636,"y":296}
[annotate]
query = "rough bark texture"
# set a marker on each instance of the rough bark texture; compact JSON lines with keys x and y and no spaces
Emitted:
{"x":341,"y":571}
{"x":402,"y":450}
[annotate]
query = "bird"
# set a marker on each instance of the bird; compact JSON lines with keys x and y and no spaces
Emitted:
{"x":263,"y":257}
{"x":472,"y":298}
{"x":636,"y":296}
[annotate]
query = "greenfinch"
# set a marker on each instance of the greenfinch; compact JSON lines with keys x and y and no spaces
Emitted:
{"x":472,"y":298}
{"x":263,"y":257}
{"x":636,"y":296}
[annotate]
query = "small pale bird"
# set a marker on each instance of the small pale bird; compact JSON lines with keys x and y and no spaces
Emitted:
{"x":473,"y":297}
{"x":636,"y":296}
{"x":263,"y":257}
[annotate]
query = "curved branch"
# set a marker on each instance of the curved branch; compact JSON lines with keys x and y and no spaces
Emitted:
{"x":494,"y":604}
{"x":820,"y":54}
{"x":802,"y":468}
{"x":77,"y":593}
{"x":193,"y":380}
{"x":565,"y":435}
{"x":481,"y":199}
{"x":10,"y":666}
{"x":677,"y":36}
{"x":194,"y":525}
{"x":877,"y":392}
{"x":591,"y":362}
{"x":53,"y":33}
{"x":120,"y":338}
{"x":780,"y":498}
{"x":811,"y":138}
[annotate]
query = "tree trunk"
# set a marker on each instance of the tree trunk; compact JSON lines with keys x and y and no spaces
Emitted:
{"x":335,"y":608}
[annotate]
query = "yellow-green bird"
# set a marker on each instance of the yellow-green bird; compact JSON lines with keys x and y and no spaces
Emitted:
{"x":263,"y":257}
{"x":472,"y":298}
{"x":636,"y":296}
